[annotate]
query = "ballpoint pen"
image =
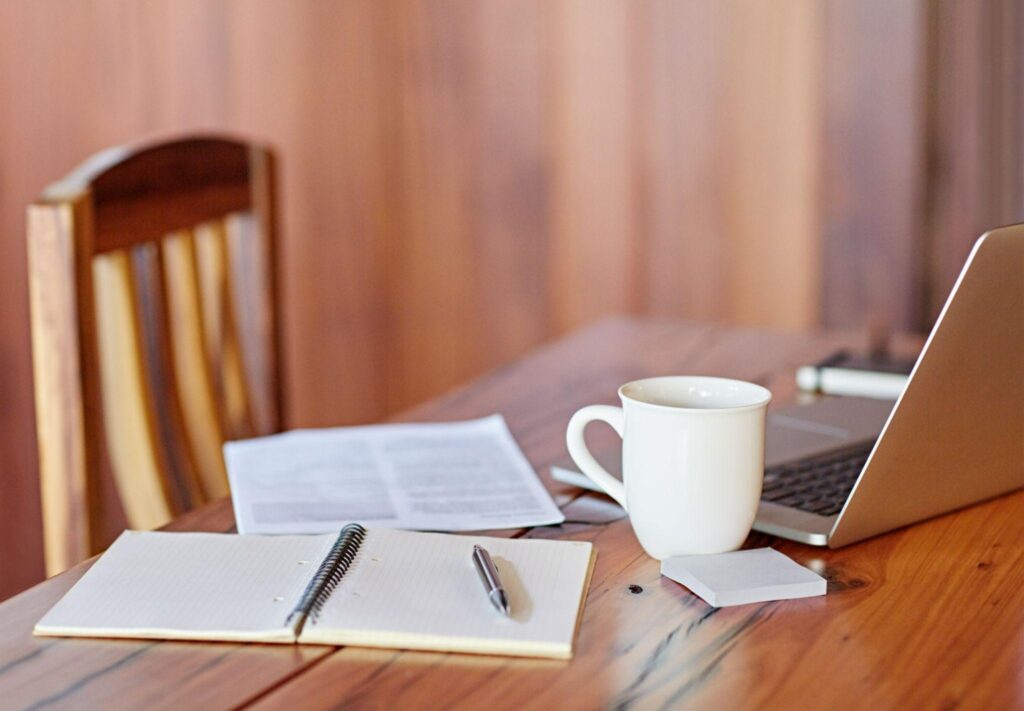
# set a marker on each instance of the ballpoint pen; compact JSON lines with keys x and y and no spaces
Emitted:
{"x":492,"y":583}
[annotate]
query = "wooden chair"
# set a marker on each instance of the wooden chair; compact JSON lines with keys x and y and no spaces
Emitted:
{"x":154,"y":336}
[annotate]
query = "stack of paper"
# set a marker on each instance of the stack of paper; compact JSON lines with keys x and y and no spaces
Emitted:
{"x":742,"y":577}
{"x":460,"y":476}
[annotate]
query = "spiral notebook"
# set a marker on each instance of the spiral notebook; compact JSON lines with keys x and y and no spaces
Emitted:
{"x":373,"y":588}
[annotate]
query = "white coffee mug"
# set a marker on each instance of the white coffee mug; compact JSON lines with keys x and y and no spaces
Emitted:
{"x":692,"y":460}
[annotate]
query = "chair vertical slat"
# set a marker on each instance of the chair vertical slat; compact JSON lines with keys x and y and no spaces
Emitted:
{"x":192,"y":369}
{"x":127,"y":405}
{"x":175,"y":451}
{"x":221,"y":330}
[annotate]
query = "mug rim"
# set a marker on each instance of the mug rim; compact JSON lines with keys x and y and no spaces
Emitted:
{"x":765,"y":395}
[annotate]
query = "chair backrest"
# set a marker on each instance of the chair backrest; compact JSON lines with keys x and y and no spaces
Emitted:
{"x":154,"y":333}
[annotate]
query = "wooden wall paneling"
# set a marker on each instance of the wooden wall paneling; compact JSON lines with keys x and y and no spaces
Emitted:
{"x":729,"y":157}
{"x":1018,"y":106}
{"x":511,"y":178}
{"x":593,"y":190}
{"x":175,"y":66}
{"x":680,"y":85}
{"x":430,"y":270}
{"x":873,"y":84}
{"x":21,"y":555}
{"x":974,"y":134}
{"x":466,"y":274}
{"x":312,"y":78}
{"x":770,"y":137}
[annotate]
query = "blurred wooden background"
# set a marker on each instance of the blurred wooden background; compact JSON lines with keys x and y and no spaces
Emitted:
{"x":463,"y":180}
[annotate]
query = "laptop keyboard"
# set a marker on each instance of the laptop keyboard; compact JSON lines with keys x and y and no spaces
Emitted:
{"x":819,"y":484}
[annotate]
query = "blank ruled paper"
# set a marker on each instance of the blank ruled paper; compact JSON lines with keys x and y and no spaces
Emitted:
{"x":190,"y":586}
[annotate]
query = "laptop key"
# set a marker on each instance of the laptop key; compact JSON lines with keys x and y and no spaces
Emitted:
{"x":820,"y":485}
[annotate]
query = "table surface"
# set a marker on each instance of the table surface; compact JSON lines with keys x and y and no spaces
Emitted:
{"x":931,"y":615}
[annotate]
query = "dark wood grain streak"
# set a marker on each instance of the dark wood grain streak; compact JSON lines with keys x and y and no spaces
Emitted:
{"x":67,"y":693}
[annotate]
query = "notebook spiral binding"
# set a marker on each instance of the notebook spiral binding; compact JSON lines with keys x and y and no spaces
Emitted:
{"x":328,"y":575}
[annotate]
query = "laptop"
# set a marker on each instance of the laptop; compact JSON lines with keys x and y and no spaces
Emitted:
{"x":844,"y":469}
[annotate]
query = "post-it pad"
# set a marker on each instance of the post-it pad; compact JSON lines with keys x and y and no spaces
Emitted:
{"x":742,"y":577}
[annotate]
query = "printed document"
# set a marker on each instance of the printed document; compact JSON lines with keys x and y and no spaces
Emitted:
{"x":458,"y":476}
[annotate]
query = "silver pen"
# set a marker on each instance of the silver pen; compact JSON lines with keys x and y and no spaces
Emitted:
{"x":492,"y":583}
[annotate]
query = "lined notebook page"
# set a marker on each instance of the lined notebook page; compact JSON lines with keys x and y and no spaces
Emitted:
{"x":190,"y":586}
{"x":421,"y":591}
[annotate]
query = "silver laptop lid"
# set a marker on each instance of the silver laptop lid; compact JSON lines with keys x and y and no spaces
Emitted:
{"x":956,"y":436}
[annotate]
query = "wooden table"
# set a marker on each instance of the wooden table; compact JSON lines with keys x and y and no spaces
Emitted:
{"x":930,"y":616}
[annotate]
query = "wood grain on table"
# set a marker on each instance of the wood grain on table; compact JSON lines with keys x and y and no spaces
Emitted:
{"x":931,"y":616}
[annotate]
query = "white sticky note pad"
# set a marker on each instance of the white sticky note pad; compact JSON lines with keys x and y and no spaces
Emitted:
{"x":742,"y":577}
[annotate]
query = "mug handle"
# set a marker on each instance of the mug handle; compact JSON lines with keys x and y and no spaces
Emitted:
{"x":582,"y":456}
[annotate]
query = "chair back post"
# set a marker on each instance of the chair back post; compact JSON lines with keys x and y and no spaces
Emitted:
{"x":266,"y":212}
{"x":67,"y":417}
